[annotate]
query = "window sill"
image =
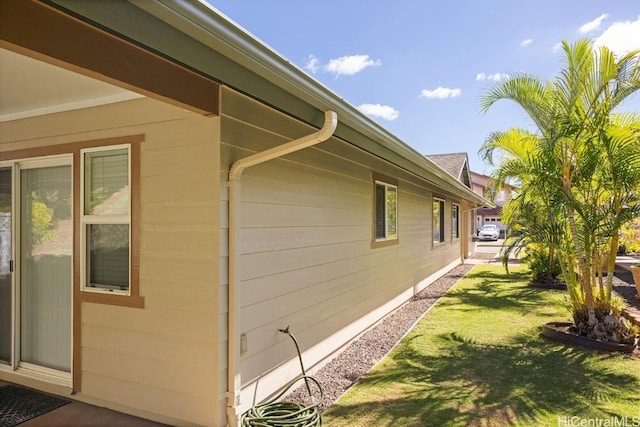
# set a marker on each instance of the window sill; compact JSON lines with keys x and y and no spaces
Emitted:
{"x":133,"y":301}
{"x":384,"y":243}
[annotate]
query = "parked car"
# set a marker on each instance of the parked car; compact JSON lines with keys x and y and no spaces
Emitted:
{"x":489,"y":232}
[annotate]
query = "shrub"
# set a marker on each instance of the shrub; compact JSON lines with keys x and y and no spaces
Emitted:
{"x":544,"y":269}
{"x":630,"y":236}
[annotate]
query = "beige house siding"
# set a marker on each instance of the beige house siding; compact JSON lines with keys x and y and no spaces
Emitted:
{"x":306,"y":233}
{"x":158,"y":362}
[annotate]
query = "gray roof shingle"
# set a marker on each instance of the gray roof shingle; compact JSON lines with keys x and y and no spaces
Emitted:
{"x":456,"y":164}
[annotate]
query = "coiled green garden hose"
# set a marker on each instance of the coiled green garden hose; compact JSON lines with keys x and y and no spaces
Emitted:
{"x":287,"y":414}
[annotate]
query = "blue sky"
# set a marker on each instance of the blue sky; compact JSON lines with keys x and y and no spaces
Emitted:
{"x":417,"y":67}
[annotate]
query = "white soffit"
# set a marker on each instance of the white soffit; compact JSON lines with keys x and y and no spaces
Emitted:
{"x":30,"y":88}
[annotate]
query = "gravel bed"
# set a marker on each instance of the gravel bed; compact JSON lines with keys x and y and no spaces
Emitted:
{"x":363,"y":353}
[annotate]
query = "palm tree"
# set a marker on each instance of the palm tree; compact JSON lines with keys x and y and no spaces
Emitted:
{"x":532,"y":214}
{"x":581,"y":156}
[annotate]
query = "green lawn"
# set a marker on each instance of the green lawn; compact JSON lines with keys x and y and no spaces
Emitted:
{"x":478,"y":359}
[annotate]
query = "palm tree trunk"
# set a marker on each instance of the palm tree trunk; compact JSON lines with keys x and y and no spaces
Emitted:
{"x":611,"y":264}
{"x":582,"y":262}
{"x":600,"y":268}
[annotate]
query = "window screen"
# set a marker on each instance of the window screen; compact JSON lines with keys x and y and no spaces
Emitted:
{"x":455,"y":221}
{"x":438,"y":221}
{"x":386,"y":211}
{"x":381,"y":219}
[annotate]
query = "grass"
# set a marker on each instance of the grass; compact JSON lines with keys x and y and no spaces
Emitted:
{"x":478,"y":359}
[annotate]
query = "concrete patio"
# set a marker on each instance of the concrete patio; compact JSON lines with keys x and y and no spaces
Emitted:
{"x":78,"y":414}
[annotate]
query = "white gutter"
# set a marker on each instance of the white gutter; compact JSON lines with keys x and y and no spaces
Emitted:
{"x":203,"y":22}
{"x":234,"y":380}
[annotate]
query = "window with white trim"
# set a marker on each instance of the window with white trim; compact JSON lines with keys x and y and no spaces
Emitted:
{"x":105,"y":219}
{"x":438,"y":220}
{"x":455,"y":221}
{"x":386,"y":211}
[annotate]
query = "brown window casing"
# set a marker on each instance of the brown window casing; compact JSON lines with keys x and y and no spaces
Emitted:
{"x":376,"y":243}
{"x":441,"y":220}
{"x":455,"y":225}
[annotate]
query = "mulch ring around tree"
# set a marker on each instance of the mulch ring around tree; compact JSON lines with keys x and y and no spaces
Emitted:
{"x":624,"y":287}
{"x":562,"y":332}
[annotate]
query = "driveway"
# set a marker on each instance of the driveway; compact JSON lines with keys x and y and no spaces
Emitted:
{"x":488,"y":252}
{"x":488,"y":246}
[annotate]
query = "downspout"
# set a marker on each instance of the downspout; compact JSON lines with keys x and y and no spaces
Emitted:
{"x":234,"y":381}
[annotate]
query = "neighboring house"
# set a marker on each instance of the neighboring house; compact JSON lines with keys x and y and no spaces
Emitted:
{"x":456,"y":164}
{"x":481,"y":185}
{"x":177,"y":192}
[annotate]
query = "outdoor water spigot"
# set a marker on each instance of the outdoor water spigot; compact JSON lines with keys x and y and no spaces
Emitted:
{"x":285,"y":330}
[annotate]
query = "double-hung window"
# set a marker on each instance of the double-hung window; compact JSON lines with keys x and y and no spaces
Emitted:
{"x":455,"y":221}
{"x":438,"y":220}
{"x":385,"y":212}
{"x":105,"y":219}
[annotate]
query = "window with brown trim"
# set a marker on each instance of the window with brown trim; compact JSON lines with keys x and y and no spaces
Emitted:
{"x":105,"y":217}
{"x":109,"y":180}
{"x":385,"y":212}
{"x":455,"y":221}
{"x":438,"y":221}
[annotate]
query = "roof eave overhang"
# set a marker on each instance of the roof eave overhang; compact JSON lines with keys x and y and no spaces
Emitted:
{"x":188,"y":33}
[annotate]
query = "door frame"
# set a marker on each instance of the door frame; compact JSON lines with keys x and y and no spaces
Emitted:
{"x":12,"y":303}
{"x":17,"y":366}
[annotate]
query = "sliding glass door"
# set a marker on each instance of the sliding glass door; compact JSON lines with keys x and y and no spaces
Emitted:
{"x":45,"y":264}
{"x":36,"y":280}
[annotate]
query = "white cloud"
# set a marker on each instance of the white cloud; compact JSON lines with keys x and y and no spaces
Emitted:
{"x":621,"y":37}
{"x":440,"y":93}
{"x":312,"y":65}
{"x":592,"y":25}
{"x":496,"y":77}
{"x":349,"y":65}
{"x":376,"y":110}
{"x":525,"y":43}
